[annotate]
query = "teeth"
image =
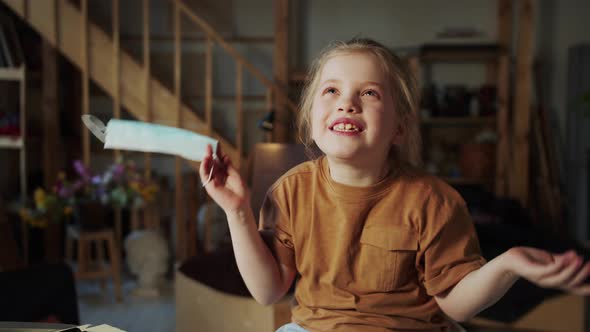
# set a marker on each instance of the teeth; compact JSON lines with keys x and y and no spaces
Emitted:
{"x":345,"y":127}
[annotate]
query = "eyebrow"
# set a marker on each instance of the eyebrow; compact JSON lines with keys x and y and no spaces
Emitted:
{"x":362,"y":83}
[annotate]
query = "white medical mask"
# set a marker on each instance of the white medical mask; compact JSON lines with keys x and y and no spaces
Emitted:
{"x":149,"y":137}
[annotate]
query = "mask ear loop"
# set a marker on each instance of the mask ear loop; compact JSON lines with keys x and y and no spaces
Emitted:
{"x":211,"y":170}
{"x":210,"y":173}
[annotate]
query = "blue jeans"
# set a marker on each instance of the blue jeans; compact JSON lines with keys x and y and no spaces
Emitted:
{"x":291,"y":327}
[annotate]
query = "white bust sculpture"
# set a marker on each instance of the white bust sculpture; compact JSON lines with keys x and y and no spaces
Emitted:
{"x":147,"y":257}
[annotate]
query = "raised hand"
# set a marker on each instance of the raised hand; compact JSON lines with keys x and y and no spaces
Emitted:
{"x":565,"y":271}
{"x":226,"y":186}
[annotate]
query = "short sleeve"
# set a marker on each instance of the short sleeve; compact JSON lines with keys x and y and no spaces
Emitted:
{"x":275,"y":222}
{"x":449,"y":247}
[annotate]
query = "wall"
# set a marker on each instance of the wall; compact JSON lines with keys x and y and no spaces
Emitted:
{"x":401,"y":25}
{"x":561,"y":25}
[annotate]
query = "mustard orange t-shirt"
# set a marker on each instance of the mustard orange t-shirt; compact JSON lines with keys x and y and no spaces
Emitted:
{"x":370,"y":258}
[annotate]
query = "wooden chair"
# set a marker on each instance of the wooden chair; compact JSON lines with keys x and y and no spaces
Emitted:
{"x":87,"y":267}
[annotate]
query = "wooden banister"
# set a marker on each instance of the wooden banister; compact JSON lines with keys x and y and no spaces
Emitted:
{"x":85,"y":80}
{"x":238,"y":58}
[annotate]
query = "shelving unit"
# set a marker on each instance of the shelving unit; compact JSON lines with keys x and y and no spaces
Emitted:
{"x":18,"y":142}
{"x":459,"y":130}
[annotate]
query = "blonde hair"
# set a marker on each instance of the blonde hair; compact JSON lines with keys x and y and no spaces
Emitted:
{"x":404,"y":90}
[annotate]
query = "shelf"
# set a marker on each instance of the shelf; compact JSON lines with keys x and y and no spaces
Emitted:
{"x":11,"y":142}
{"x":12,"y":74}
{"x":460,"y":53}
{"x":459,"y":121}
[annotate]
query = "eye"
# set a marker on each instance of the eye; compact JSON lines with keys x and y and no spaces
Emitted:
{"x":371,"y":93}
{"x":330,"y":91}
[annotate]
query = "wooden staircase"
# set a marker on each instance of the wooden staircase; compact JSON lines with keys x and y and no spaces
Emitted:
{"x":66,"y":27}
{"x":59,"y":22}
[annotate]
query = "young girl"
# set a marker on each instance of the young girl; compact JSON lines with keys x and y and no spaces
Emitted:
{"x":378,"y":244}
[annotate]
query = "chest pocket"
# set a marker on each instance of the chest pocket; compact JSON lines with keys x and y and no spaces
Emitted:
{"x":387,"y":257}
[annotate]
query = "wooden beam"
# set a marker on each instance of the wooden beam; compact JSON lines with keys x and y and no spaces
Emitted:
{"x":147,"y":79}
{"x":117,"y":101}
{"x":501,"y":72}
{"x":116,"y":66}
{"x":281,"y":132}
{"x":414,"y":65}
{"x":193,"y":203}
{"x":209,"y":85}
{"x":85,"y":80}
{"x":23,"y":126}
{"x":269,"y":109}
{"x":203,"y":39}
{"x":503,"y":128}
{"x":522,"y":101}
{"x":504,"y":36}
{"x":179,"y":207}
{"x":50,"y":109}
{"x":239,"y":116}
{"x":504,"y":24}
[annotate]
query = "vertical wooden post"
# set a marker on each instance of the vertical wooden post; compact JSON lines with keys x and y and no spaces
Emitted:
{"x":147,"y":79}
{"x":281,"y":70}
{"x":180,"y":213}
{"x":23,"y":126}
{"x":117,"y":103}
{"x":414,"y":65}
{"x":25,"y":9}
{"x":522,"y":101}
{"x":239,"y":117}
{"x":209,"y":84}
{"x":193,"y":206}
{"x":503,"y":129}
{"x":50,"y":109}
{"x":85,"y":81}
{"x":504,"y":36}
{"x":52,"y":17}
{"x":504,"y":23}
{"x":116,"y":67}
{"x":269,"y":103}
{"x":502,"y":72}
{"x":209,"y":124}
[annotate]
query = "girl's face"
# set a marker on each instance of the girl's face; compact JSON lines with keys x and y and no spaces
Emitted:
{"x":352,"y":116}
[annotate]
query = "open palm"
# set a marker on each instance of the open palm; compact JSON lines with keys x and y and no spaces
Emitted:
{"x":565,"y":271}
{"x":226,"y":186}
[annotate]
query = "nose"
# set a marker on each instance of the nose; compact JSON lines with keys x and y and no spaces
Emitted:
{"x":349,"y":104}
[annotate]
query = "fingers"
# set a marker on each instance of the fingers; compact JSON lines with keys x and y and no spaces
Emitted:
{"x":562,"y":278}
{"x":583,"y":290}
{"x":580,"y":277}
{"x":206,"y":164}
{"x":216,"y":166}
{"x":542,"y":264}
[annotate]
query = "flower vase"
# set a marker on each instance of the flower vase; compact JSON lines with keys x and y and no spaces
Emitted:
{"x":92,"y":215}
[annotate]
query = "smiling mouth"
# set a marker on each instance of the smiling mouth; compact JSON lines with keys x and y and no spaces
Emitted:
{"x":345,"y":128}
